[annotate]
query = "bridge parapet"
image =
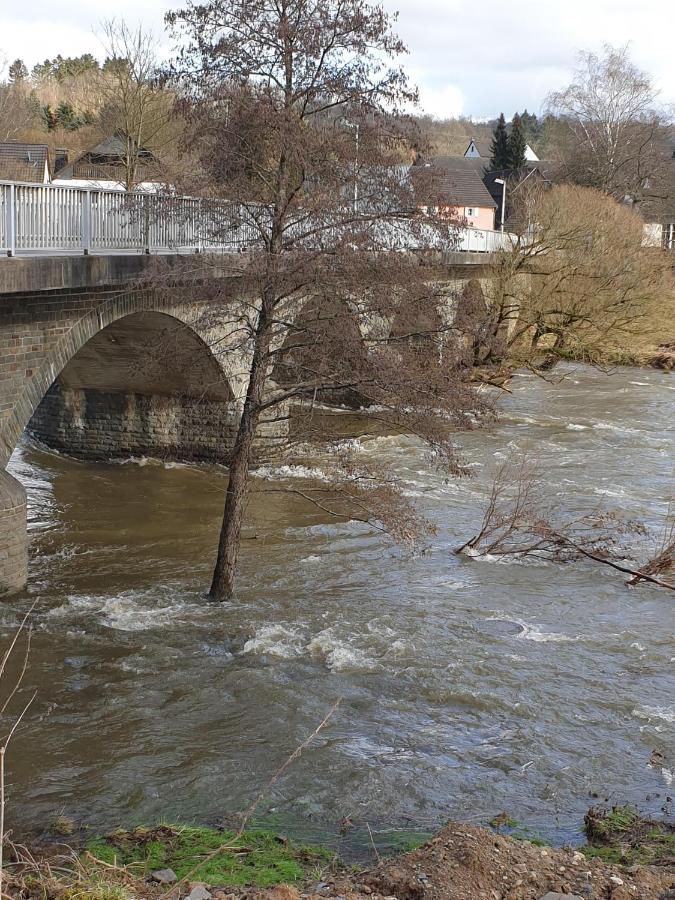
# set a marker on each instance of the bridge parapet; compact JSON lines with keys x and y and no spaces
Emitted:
{"x":48,"y":219}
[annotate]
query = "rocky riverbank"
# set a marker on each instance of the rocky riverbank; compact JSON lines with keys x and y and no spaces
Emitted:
{"x":626,"y":858}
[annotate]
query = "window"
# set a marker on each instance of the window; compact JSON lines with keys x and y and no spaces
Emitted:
{"x":470,"y":211}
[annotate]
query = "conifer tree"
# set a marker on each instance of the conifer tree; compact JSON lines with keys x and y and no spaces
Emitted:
{"x":516,"y":145}
{"x":17,"y":71}
{"x":530,"y":125}
{"x":500,"y":145}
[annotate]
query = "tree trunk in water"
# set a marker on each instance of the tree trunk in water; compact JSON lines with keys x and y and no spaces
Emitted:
{"x":222,"y":585}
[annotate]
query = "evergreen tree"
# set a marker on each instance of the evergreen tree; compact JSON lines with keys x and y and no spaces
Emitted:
{"x":48,"y":117}
{"x":43,"y":69}
{"x":530,"y":125}
{"x":66,"y":116}
{"x":500,"y":145}
{"x":516,"y":145}
{"x":18,"y":71}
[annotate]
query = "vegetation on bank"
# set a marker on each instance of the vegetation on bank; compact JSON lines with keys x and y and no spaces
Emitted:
{"x":119,"y":866}
{"x":621,"y":835}
{"x":260,"y":858}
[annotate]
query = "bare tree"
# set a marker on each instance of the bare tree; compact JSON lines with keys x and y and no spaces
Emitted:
{"x":134,"y":107}
{"x":522,"y":519}
{"x":16,"y":113}
{"x":296,"y":117}
{"x":615,"y":130}
{"x":578,"y":283}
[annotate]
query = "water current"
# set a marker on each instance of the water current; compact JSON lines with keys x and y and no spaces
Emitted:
{"x":469,"y":686}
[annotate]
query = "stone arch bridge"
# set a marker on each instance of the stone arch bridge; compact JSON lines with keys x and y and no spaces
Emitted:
{"x":99,"y":368}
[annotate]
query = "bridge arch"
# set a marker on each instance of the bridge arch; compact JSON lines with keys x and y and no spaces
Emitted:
{"x":132,"y":376}
{"x":130,"y":345}
{"x":145,"y":385}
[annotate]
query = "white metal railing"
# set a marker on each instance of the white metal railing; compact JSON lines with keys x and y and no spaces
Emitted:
{"x":38,"y":219}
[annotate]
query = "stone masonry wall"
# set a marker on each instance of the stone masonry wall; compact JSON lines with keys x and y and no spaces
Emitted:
{"x":91,"y":424}
{"x":13,"y":537}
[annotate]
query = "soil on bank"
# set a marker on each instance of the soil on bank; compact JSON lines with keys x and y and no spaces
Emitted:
{"x":627,"y":858}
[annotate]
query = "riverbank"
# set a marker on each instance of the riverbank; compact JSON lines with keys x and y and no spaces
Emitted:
{"x":661,"y":357}
{"x":626,"y":856}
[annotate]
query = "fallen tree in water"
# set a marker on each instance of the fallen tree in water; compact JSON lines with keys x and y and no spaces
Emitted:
{"x":521,"y":520}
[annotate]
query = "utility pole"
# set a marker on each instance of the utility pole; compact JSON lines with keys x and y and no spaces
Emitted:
{"x":502,"y":181}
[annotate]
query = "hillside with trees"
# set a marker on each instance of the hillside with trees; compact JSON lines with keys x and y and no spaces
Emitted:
{"x":74,"y":102}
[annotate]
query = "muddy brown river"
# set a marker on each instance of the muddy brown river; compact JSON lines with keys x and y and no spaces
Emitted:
{"x":470,"y":686}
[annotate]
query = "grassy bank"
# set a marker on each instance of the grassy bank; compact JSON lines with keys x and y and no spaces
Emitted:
{"x":123,"y":865}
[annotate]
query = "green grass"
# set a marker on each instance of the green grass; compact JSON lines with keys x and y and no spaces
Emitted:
{"x":621,"y":835}
{"x":606,"y":854}
{"x":504,"y":821}
{"x":394,"y":842}
{"x":267,"y":860}
{"x":619,"y":820}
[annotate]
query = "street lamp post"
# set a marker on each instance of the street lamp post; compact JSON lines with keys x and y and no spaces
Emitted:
{"x":502,"y":181}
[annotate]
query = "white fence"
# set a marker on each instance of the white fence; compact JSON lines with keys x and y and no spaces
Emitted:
{"x":37,"y":219}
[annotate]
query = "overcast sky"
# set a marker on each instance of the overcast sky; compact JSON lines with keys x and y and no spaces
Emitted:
{"x":470,"y":58}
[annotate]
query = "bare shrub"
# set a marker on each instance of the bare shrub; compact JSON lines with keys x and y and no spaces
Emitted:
{"x":579,"y":283}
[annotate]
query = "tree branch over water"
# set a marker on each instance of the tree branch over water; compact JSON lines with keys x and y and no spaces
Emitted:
{"x":521,"y":520}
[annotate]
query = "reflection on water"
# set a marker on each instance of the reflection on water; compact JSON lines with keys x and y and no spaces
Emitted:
{"x":469,"y":686}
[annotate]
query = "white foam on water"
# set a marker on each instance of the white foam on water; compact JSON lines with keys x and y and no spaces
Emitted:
{"x":400,"y":649}
{"x":535,"y":633}
{"x":310,"y":560}
{"x":339,"y":655}
{"x":510,"y":559}
{"x":134,"y":461}
{"x":665,"y":713}
{"x":83,"y":604}
{"x":607,"y":493}
{"x":277,"y":640}
{"x":276,"y":473}
{"x":573,"y":426}
{"x":334,"y":650}
{"x":344,"y":658}
{"x":610,"y":426}
{"x":126,"y":612}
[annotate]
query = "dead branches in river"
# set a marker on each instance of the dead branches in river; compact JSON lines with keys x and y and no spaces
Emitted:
{"x":521,"y":520}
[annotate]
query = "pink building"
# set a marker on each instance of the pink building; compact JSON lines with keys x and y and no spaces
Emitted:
{"x":453,"y":186}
